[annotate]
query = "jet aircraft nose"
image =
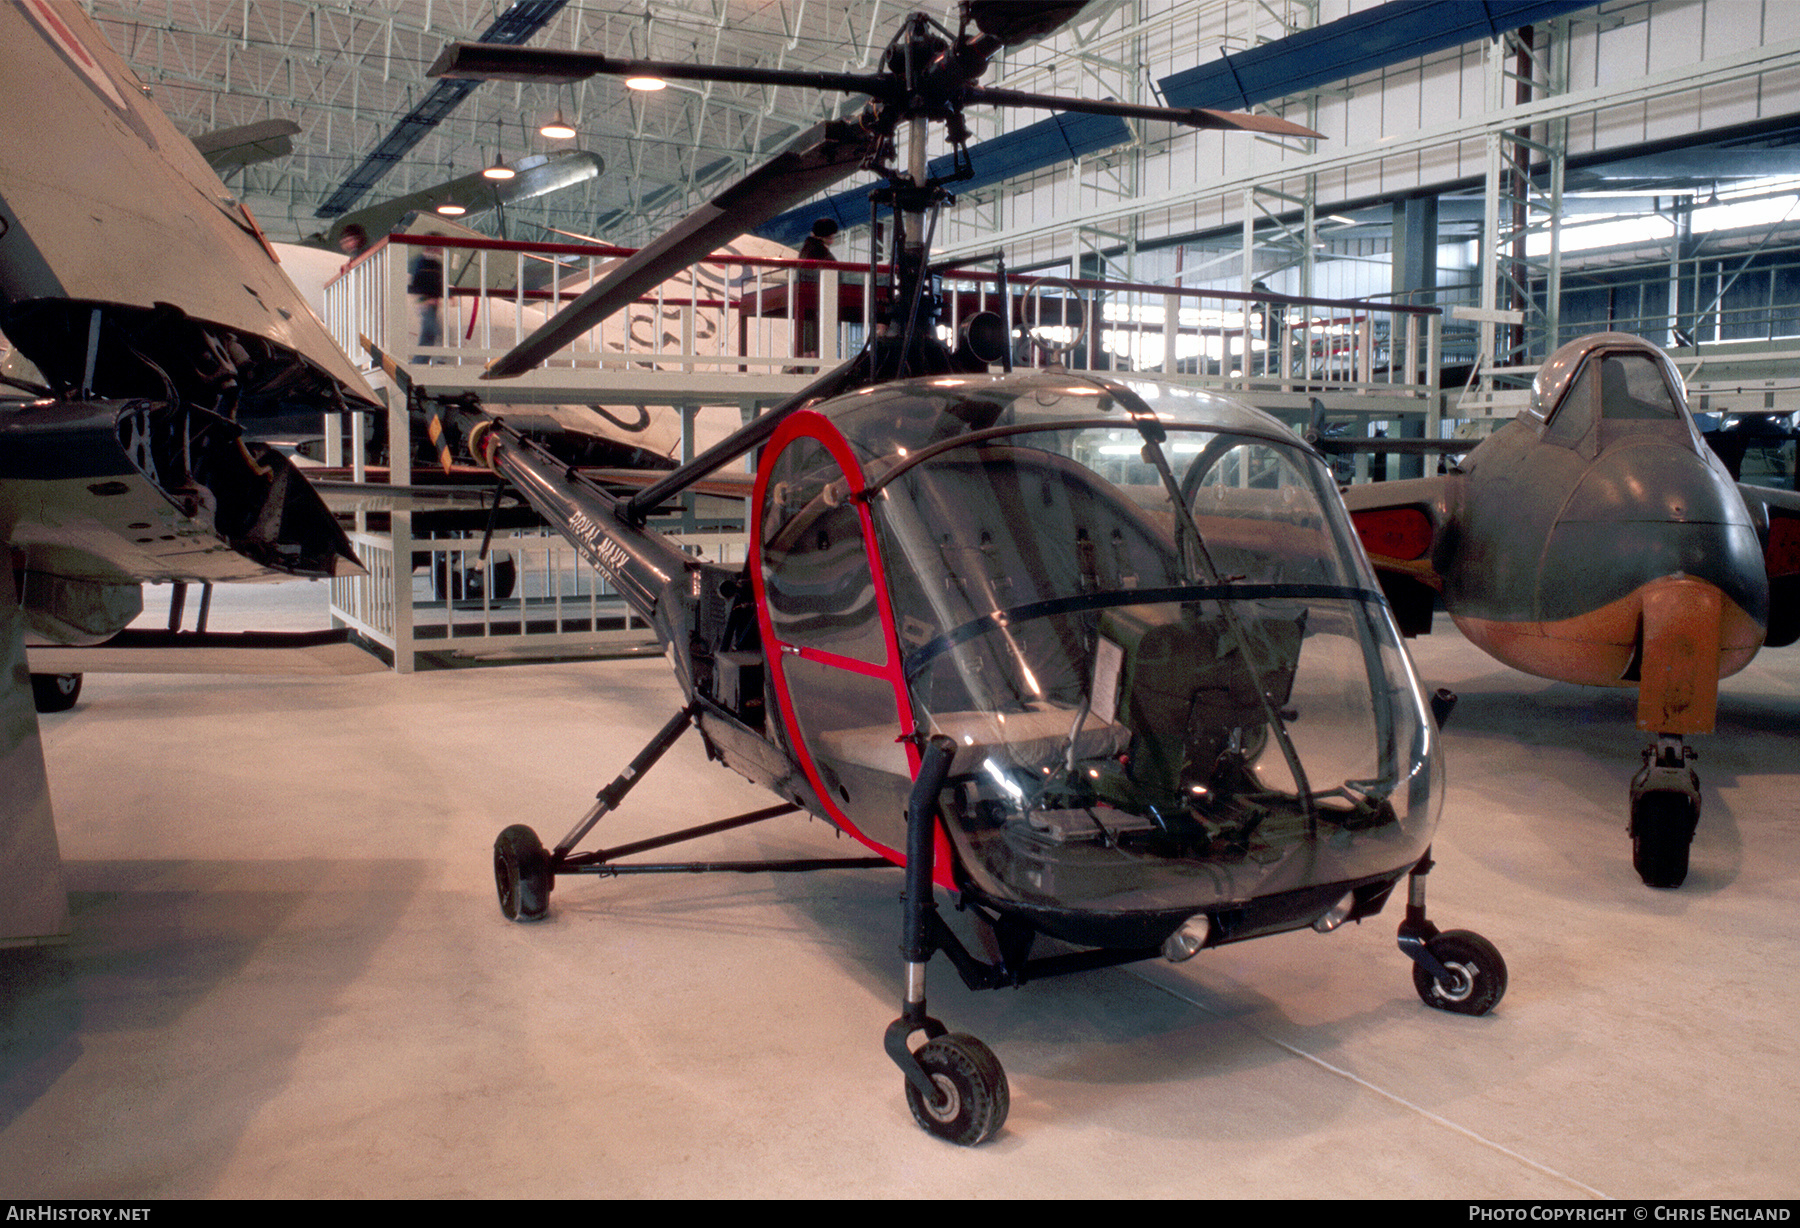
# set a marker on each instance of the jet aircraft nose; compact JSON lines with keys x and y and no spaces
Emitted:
{"x":1645,"y":511}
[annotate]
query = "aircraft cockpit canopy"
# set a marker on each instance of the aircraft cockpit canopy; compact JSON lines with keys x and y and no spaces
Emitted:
{"x":1601,"y":390}
{"x":1138,"y":611}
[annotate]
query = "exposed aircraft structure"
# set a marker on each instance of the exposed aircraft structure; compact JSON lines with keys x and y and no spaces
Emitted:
{"x":157,"y":324}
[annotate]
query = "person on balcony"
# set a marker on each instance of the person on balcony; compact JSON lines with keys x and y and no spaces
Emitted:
{"x":806,"y":300}
{"x":427,"y":285}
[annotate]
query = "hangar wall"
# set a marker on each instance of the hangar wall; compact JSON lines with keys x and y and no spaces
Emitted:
{"x":1636,"y":71}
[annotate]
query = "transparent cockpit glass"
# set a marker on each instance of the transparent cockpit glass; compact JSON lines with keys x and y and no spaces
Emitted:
{"x":1636,"y":402}
{"x":1169,"y":676}
{"x":817,"y":582}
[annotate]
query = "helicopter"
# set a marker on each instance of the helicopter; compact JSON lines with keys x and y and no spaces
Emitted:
{"x":1099,"y":658}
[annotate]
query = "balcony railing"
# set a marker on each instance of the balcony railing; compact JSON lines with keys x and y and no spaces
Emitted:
{"x":760,"y":315}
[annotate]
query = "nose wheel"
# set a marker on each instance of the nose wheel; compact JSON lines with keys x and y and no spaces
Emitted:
{"x":1476,"y":975}
{"x":972,"y":1094}
{"x":1454,"y":970}
{"x":55,"y":692}
{"x":954,"y":1084}
{"x":1665,"y":810}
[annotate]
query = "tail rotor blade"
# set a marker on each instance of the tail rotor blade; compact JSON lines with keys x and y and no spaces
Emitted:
{"x":389,"y":365}
{"x":434,"y":423}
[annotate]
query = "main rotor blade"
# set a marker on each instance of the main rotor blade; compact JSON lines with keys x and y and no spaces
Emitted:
{"x":1193,"y":117}
{"x":554,"y":66}
{"x":1010,"y":23}
{"x":819,"y":158}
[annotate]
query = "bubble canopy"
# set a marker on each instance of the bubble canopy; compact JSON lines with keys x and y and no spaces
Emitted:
{"x":1141,"y":614}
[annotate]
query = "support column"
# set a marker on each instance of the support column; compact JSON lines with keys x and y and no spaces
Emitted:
{"x":1415,"y":242}
{"x":34,"y":903}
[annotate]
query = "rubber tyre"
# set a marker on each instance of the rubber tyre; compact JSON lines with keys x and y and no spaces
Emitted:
{"x":973,"y":1095}
{"x":522,"y":874}
{"x":1480,"y":970}
{"x":1662,"y":829}
{"x":465,"y":583}
{"x":506,"y":578}
{"x":55,"y":692}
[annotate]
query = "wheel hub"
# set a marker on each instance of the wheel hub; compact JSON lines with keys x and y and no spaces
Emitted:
{"x":1459,"y":989}
{"x":947,"y":1104}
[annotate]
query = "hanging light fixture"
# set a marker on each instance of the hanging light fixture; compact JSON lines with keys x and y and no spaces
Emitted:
{"x":558,"y":129}
{"x":449,"y":207}
{"x":646,"y":84}
{"x":499,"y":171}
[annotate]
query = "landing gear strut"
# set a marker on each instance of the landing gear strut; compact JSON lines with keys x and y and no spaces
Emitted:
{"x":525,"y":872}
{"x":1665,"y":809}
{"x":954,"y":1083}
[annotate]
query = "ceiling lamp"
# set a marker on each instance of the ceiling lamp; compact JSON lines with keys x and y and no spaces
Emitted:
{"x":646,"y":84}
{"x":499,"y":170}
{"x":558,"y":129}
{"x":449,"y":206}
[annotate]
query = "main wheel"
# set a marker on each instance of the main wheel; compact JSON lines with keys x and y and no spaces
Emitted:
{"x":55,"y":692}
{"x":522,"y":874}
{"x":1662,"y":828}
{"x":1477,"y":971}
{"x":972,"y":1096}
{"x":506,"y":578}
{"x":467,"y":579}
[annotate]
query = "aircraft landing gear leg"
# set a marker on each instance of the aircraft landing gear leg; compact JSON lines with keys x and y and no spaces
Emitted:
{"x":1665,"y":810}
{"x":954,"y":1083}
{"x":525,"y":872}
{"x":1455,"y":970}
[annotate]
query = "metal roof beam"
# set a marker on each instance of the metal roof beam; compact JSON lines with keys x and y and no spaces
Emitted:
{"x":518,"y":23}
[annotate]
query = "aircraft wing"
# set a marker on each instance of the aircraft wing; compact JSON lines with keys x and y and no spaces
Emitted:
{"x":1776,"y":514}
{"x":231,"y":148}
{"x":1403,"y":526}
{"x":104,"y":202}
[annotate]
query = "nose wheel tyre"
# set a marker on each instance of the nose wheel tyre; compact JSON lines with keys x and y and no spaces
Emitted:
{"x":522,"y":874}
{"x":1662,"y":830}
{"x":972,"y":1096}
{"x":1478,"y":974}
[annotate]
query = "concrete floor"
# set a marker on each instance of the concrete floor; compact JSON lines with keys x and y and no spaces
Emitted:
{"x":288,"y":976}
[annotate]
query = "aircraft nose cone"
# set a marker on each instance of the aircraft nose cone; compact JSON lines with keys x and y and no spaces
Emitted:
{"x":1645,"y":512}
{"x":1655,"y":482}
